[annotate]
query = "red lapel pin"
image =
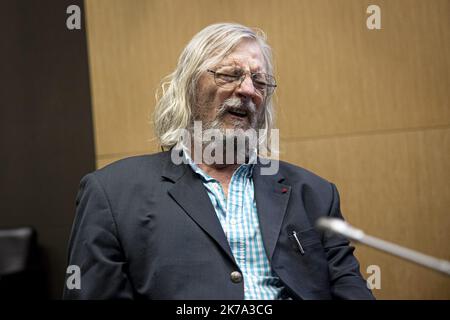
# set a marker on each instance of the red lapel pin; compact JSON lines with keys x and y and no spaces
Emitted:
{"x":284,"y":190}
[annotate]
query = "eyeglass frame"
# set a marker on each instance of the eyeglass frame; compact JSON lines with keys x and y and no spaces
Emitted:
{"x":242,"y":78}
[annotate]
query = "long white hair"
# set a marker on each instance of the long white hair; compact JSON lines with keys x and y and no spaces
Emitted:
{"x":176,"y":100}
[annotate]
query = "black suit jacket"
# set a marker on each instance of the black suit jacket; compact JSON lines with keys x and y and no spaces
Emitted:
{"x":146,"y":228}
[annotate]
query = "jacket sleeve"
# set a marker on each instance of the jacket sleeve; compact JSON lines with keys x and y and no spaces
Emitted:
{"x":345,"y":278}
{"x":95,"y":248}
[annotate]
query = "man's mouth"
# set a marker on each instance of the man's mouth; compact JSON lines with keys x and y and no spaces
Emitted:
{"x":240,"y":113}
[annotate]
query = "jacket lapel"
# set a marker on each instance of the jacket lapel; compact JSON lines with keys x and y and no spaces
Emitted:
{"x":272,"y":197}
{"x":190,"y":194}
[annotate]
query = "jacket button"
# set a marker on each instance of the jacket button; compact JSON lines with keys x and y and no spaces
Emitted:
{"x":236,"y":277}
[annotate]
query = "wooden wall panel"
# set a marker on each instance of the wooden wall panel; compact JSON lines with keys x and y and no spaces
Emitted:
{"x":335,"y":75}
{"x":369,"y":110}
{"x":338,"y":77}
{"x":394,"y":186}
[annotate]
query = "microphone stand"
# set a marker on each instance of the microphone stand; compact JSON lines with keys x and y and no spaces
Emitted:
{"x":342,"y":228}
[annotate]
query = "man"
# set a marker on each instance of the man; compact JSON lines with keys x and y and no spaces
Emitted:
{"x":211,"y":226}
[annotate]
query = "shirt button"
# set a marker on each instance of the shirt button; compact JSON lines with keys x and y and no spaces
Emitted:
{"x":233,"y":221}
{"x":236,"y":277}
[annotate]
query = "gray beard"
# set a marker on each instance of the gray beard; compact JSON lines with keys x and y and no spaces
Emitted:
{"x":242,"y":152}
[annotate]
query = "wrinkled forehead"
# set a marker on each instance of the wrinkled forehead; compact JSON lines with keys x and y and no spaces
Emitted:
{"x":246,"y":55}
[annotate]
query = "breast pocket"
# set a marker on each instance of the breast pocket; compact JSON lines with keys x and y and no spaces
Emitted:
{"x":302,"y":240}
{"x":309,"y":259}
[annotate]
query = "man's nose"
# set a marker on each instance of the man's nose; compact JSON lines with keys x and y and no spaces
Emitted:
{"x":246,"y":89}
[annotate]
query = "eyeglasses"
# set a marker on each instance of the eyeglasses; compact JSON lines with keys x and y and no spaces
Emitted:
{"x":231,"y":78}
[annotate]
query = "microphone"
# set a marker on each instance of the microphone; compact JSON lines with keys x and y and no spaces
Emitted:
{"x":342,"y":228}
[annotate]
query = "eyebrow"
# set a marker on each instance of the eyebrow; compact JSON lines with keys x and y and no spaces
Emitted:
{"x":258,"y":69}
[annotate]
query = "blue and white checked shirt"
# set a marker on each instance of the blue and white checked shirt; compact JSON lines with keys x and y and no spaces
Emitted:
{"x":239,"y":219}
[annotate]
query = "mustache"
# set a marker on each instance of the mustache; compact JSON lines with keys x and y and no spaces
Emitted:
{"x":236,"y":104}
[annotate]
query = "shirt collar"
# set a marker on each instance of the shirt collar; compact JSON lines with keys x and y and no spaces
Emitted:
{"x":245,"y":169}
